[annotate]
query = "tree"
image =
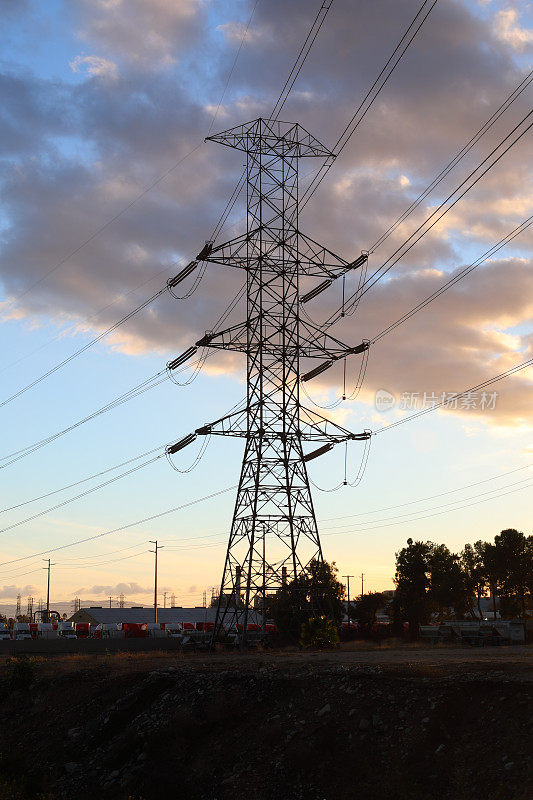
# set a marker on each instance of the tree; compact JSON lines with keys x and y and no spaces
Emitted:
{"x":474,"y":576}
{"x":446,"y":583}
{"x":512,"y":566}
{"x":412,"y":583}
{"x":316,"y":592}
{"x":367,"y":606}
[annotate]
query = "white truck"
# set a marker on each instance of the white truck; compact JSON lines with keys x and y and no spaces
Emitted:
{"x":174,"y":630}
{"x":155,"y":631}
{"x":109,"y":630}
{"x":21,"y":630}
{"x":4,"y":632}
{"x":46,"y":630}
{"x":67,"y":630}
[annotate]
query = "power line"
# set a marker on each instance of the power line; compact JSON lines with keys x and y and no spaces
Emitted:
{"x":457,"y":396}
{"x":82,"y":480}
{"x":82,"y":494}
{"x":496,"y":493}
{"x":230,"y":73}
{"x":402,"y":250}
{"x":83,"y":349}
{"x":359,"y":115}
{"x":456,"y":278}
{"x":431,"y":497}
{"x":123,"y":527}
{"x":515,"y":94}
{"x":301,"y":58}
{"x":106,"y":225}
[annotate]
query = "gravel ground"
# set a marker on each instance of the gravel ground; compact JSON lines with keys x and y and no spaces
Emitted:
{"x":396,"y":724}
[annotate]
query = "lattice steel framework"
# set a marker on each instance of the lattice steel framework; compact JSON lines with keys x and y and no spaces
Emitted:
{"x":274,"y":533}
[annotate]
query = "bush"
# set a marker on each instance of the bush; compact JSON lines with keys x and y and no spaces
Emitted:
{"x":22,"y":672}
{"x":319,"y":632}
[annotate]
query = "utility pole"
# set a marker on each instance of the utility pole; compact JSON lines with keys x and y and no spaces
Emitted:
{"x":48,"y":588}
{"x":157,"y":548}
{"x":362,"y":583}
{"x":348,"y":609}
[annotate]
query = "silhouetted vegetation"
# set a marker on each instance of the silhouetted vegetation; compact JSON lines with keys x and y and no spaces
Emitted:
{"x":316,"y":592}
{"x":432,"y":583}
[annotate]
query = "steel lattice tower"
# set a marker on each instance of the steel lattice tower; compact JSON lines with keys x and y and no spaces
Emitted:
{"x":274,"y":532}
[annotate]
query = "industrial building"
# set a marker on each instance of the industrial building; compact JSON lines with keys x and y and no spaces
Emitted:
{"x":99,"y":614}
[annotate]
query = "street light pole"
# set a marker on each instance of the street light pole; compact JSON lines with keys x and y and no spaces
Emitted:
{"x":348,"y":609}
{"x":157,"y":548}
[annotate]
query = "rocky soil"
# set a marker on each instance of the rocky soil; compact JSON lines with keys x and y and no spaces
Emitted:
{"x":265,"y":727}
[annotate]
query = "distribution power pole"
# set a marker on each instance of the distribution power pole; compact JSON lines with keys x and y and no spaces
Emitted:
{"x":348,"y":589}
{"x":157,"y":548}
{"x":274,"y":534}
{"x":49,"y":565}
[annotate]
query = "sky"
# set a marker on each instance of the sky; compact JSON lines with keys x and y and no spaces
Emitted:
{"x":108,"y":188}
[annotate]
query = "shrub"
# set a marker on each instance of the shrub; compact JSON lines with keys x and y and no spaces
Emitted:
{"x":22,"y":672}
{"x":319,"y":632}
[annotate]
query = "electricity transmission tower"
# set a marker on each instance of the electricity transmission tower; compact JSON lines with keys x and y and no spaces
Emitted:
{"x":274,"y":533}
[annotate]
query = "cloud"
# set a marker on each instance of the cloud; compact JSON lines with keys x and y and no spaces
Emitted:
{"x":12,"y":592}
{"x":149,"y":34}
{"x":95,"y":66}
{"x":114,"y":590}
{"x":508,"y":29}
{"x":150,"y":120}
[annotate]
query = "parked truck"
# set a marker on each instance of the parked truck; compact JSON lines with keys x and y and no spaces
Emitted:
{"x":4,"y":632}
{"x":155,"y":631}
{"x":66,"y":630}
{"x":83,"y":630}
{"x":21,"y":630}
{"x":45,"y":630}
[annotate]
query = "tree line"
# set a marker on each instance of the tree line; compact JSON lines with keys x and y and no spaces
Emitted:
{"x":432,"y":583}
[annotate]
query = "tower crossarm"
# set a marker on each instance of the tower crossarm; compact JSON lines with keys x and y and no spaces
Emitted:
{"x":315,"y":427}
{"x":313,"y":259}
{"x":233,"y":338}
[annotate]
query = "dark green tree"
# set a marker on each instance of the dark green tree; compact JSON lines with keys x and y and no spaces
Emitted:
{"x":316,"y":592}
{"x":412,"y":581}
{"x":474,"y":577}
{"x":447,"y":588}
{"x":368,"y":605}
{"x":512,"y":563}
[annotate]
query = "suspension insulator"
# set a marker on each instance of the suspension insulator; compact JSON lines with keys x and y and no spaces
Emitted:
{"x":319,"y":451}
{"x":361,"y":437}
{"x":359,"y":261}
{"x":176,"y":362}
{"x":317,"y":370}
{"x":204,"y":430}
{"x":205,"y":340}
{"x":182,"y":275}
{"x":316,"y":291}
{"x":173,"y":448}
{"x":365,"y":345}
{"x":205,"y":252}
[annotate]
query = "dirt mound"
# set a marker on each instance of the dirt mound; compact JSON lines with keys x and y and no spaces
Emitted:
{"x":230,"y":729}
